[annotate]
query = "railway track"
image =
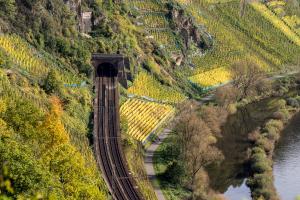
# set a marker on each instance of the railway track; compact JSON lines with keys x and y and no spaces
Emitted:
{"x":107,"y":145}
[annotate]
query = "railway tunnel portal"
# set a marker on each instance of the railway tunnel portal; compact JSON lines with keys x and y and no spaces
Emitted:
{"x":109,"y":71}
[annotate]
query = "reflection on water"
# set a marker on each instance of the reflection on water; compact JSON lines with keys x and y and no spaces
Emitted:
{"x":229,"y":176}
{"x":287,"y":161}
{"x":240,"y":193}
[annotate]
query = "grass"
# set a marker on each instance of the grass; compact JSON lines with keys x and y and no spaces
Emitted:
{"x":135,"y":161}
{"x":171,"y":192}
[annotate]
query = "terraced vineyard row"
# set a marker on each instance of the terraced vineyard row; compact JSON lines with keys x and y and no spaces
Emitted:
{"x":278,"y":7}
{"x":27,"y":60}
{"x":146,"y":85}
{"x":22,"y":55}
{"x":212,"y":77}
{"x":155,"y":23}
{"x":164,"y":37}
{"x":146,"y":5}
{"x":144,"y":117}
{"x":277,"y":22}
{"x":153,"y":20}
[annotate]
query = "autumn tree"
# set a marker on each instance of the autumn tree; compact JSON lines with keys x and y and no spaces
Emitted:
{"x":226,"y":95}
{"x":51,"y":131}
{"x":196,"y":143}
{"x":52,"y":84}
{"x":214,"y":117}
{"x":247,"y":76}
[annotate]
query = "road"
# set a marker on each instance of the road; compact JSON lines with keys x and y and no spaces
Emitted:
{"x":107,"y":144}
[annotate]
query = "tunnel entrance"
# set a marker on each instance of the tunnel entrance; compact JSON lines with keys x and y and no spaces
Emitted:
{"x":107,"y":70}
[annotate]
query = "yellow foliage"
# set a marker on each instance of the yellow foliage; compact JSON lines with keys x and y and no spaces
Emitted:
{"x":22,"y":54}
{"x":155,"y":20}
{"x":4,"y":130}
{"x":278,"y":23}
{"x":144,"y":117}
{"x":52,"y":130}
{"x":212,"y":77}
{"x":152,"y":6}
{"x":3,"y":106}
{"x":276,"y":3}
{"x":146,"y":85}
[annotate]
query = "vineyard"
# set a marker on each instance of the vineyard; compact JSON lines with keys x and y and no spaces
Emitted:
{"x":251,"y":37}
{"x":293,"y":21}
{"x":146,"y":85}
{"x":146,"y":5}
{"x":29,"y":62}
{"x":278,"y":23}
{"x":23,"y":55}
{"x":155,"y":20}
{"x":155,"y":23}
{"x":144,"y":117}
{"x":212,"y":77}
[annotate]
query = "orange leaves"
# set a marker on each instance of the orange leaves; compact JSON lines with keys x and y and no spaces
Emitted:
{"x":52,"y":130}
{"x":56,"y":105}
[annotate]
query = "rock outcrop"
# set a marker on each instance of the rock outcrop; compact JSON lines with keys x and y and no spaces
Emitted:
{"x":184,"y":24}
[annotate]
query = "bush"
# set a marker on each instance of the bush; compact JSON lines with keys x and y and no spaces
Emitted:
{"x":260,"y":163}
{"x":7,"y":8}
{"x":293,"y":102}
{"x":174,"y":173}
{"x":266,"y":144}
{"x":261,"y":183}
{"x":274,"y":135}
{"x":52,"y":84}
{"x":277,"y":124}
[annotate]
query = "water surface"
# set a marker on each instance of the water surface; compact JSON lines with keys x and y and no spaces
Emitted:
{"x":229,"y":176}
{"x":287,"y":161}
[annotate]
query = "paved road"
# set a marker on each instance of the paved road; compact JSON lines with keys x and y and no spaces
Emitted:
{"x":149,"y":161}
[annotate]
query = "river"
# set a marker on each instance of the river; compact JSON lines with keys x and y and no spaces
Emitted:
{"x":229,"y":176}
{"x":286,"y":167}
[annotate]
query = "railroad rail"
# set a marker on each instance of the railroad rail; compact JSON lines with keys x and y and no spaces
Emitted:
{"x":107,"y":144}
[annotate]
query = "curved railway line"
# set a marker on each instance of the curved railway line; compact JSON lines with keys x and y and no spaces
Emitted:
{"x":107,"y":144}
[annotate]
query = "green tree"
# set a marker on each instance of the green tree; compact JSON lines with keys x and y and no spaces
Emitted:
{"x":52,"y":83}
{"x":7,"y":8}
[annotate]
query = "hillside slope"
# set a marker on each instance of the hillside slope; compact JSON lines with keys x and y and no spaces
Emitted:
{"x":176,"y":49}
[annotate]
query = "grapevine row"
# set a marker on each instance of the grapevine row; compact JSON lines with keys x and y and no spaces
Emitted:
{"x":144,"y":117}
{"x":146,"y":85}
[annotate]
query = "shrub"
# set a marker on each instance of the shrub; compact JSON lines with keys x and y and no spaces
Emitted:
{"x":281,"y":103}
{"x":274,"y":135}
{"x":277,"y":124}
{"x":293,"y":102}
{"x":52,"y":84}
{"x":174,"y":173}
{"x":260,"y":163}
{"x":266,"y":144}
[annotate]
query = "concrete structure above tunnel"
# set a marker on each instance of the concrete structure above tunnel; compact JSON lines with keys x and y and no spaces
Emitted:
{"x":111,"y":65}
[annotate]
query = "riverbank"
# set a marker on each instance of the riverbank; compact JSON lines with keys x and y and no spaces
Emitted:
{"x":264,"y":139}
{"x":286,"y":168}
{"x":247,"y":140}
{"x":187,"y":150}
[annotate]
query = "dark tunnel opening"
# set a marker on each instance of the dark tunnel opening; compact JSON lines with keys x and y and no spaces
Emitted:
{"x":107,"y":70}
